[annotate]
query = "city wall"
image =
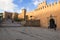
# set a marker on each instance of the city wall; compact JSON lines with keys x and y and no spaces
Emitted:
{"x":44,"y":12}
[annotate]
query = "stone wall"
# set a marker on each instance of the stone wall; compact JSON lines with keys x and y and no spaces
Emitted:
{"x":10,"y":15}
{"x":14,"y":15}
{"x":43,"y":14}
{"x":34,"y":23}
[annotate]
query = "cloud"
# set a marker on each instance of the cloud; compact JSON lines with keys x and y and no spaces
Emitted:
{"x":36,"y":2}
{"x":20,"y":0}
{"x":22,"y":7}
{"x":28,"y":9}
{"x":20,"y":10}
{"x":7,"y":5}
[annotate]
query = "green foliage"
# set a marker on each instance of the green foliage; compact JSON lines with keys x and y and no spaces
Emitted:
{"x":16,"y":19}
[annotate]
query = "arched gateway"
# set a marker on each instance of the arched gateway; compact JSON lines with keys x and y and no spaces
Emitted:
{"x":52,"y":23}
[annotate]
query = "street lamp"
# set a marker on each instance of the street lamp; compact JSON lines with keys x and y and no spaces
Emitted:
{"x":31,"y":17}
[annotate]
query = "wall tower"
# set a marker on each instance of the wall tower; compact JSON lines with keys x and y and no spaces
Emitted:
{"x":24,"y":13}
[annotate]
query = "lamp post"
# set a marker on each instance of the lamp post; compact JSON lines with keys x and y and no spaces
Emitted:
{"x":31,"y":17}
{"x":31,"y":20}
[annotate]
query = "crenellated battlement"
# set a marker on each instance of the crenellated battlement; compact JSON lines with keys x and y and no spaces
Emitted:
{"x":43,"y":5}
{"x":43,"y":13}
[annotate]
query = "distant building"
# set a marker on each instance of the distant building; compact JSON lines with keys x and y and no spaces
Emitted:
{"x":8,"y":15}
{"x":1,"y":16}
{"x":43,"y":13}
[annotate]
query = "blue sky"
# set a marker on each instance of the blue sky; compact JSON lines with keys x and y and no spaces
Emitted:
{"x":17,"y":5}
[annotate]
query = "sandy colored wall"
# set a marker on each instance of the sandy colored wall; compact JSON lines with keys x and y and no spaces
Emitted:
{"x":44,"y":14}
{"x":10,"y":14}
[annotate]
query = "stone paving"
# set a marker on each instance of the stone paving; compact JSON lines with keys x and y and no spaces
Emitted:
{"x":28,"y":33}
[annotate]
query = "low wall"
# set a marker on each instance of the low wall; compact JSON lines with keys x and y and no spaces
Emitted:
{"x":34,"y":23}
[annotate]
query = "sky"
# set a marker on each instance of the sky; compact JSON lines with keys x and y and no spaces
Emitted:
{"x":18,"y":5}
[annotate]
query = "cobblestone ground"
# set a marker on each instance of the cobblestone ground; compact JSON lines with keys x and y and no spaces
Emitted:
{"x":28,"y":33}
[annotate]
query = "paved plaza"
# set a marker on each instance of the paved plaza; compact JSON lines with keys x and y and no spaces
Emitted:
{"x":14,"y":31}
{"x":28,"y":33}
